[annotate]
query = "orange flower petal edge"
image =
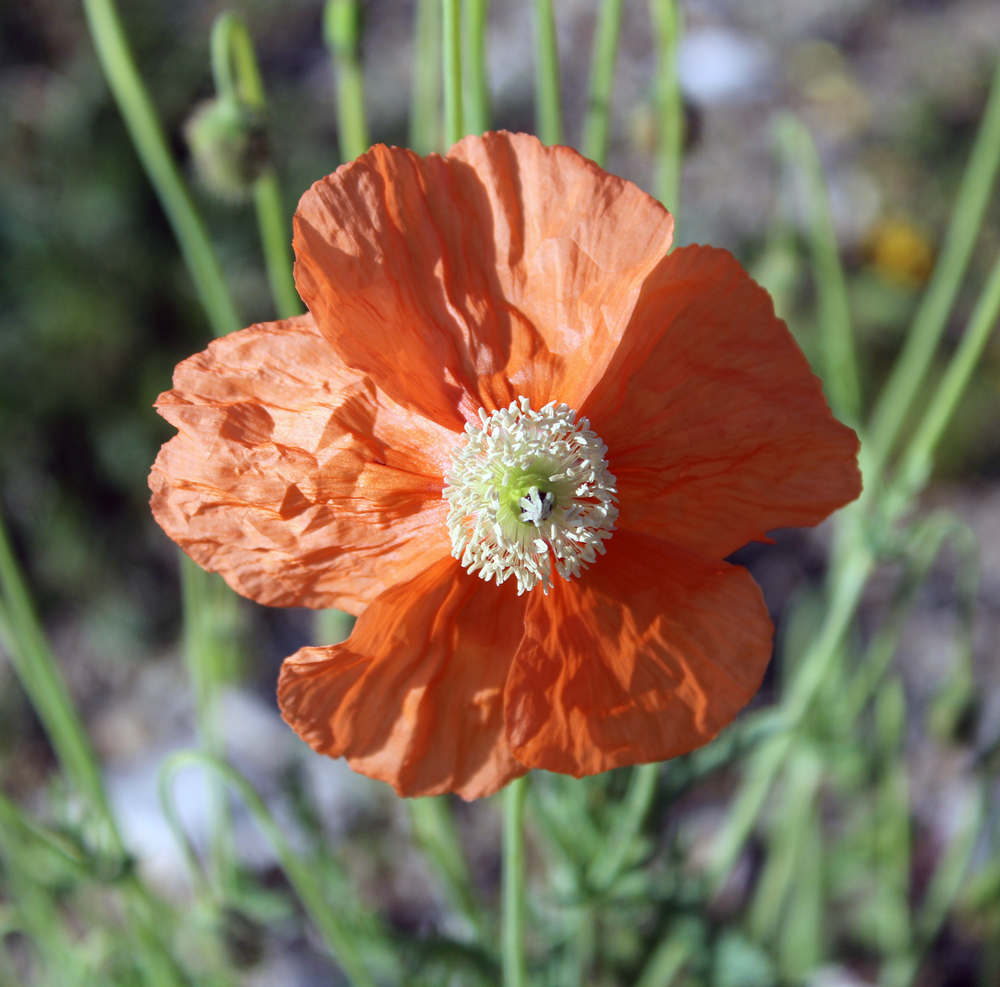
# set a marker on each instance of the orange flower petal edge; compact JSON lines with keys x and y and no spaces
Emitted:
{"x":415,"y":696}
{"x":466,"y":281}
{"x":518,"y":439}
{"x":294,"y":477}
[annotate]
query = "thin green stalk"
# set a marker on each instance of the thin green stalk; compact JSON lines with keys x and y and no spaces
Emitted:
{"x":435,"y":830}
{"x":237,"y":77}
{"x":275,"y":238}
{"x":208,"y":669}
{"x":301,"y":876}
{"x":36,"y":668}
{"x":425,"y":106}
{"x":918,"y":457}
{"x":548,"y":98}
{"x":596,"y":126}
{"x":621,"y":842}
{"x":668,"y":26}
{"x":840,"y":364}
{"x":475,"y":21}
{"x":342,"y":34}
{"x":910,"y":371}
{"x":150,"y":143}
{"x":451,"y":29}
{"x":515,"y":971}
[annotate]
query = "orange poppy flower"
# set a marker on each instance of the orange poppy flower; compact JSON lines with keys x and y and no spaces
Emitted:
{"x":516,"y":438}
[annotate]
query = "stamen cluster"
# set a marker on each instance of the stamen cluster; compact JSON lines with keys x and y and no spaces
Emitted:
{"x":529,"y":490}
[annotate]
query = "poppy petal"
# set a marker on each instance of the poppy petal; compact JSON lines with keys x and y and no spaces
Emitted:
{"x":415,"y":696}
{"x":294,"y":477}
{"x":647,"y":656}
{"x":717,"y":430}
{"x":506,"y":268}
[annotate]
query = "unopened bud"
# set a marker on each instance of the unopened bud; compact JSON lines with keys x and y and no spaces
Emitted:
{"x":229,"y":147}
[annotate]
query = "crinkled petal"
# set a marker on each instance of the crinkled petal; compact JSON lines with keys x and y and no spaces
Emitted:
{"x":294,"y":477}
{"x":717,"y":430}
{"x":647,"y":656}
{"x":505,"y":268}
{"x":415,"y":696}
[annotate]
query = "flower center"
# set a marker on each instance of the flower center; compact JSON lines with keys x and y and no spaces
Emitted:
{"x":529,"y":490}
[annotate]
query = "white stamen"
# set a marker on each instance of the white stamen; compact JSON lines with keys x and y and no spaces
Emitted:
{"x":528,"y":489}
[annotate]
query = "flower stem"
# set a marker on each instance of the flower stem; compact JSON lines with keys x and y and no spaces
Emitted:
{"x":34,"y":664}
{"x":840,"y":363}
{"x":602,"y":80}
{"x":667,"y":28}
{"x":451,"y":24}
{"x":304,"y":879}
{"x":425,"y":107}
{"x":237,"y":77}
{"x":147,"y":136}
{"x":434,"y":828}
{"x":342,"y":34}
{"x":910,"y":369}
{"x":548,"y":99}
{"x":514,"y":967}
{"x":476,"y":16}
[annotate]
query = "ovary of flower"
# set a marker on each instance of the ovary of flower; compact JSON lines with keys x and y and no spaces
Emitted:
{"x":528,"y":489}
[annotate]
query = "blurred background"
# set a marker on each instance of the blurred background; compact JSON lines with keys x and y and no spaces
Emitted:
{"x":96,"y":308}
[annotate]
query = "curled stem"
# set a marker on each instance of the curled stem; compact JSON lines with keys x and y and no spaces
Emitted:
{"x":151,"y":145}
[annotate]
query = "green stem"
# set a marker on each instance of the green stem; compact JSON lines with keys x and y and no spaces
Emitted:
{"x":548,"y":99}
{"x":634,"y":810}
{"x":237,"y":77}
{"x":910,"y":370}
{"x":667,"y":30}
{"x":452,"y":46}
{"x":840,"y":363}
{"x":515,"y":972}
{"x":275,"y":239}
{"x":342,"y":34}
{"x":425,"y":107}
{"x":476,"y":15}
{"x":596,"y":126}
{"x":301,"y":876}
{"x":918,"y":457}
{"x":150,"y":143}
{"x":434,"y":828}
{"x":36,"y":668}
{"x":208,"y":671}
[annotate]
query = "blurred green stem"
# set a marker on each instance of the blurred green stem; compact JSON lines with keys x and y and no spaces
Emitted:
{"x":621,"y":842}
{"x":451,"y":28}
{"x":910,"y":370}
{"x":596,"y":126}
{"x":667,"y":30}
{"x":425,"y":123}
{"x":515,"y":973}
{"x":435,"y":830}
{"x":237,"y":77}
{"x":475,"y":16}
{"x":548,"y":100}
{"x":150,"y":143}
{"x":840,"y":365}
{"x":35,"y":666}
{"x":301,"y":876}
{"x":342,"y":35}
{"x":207,"y":666}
